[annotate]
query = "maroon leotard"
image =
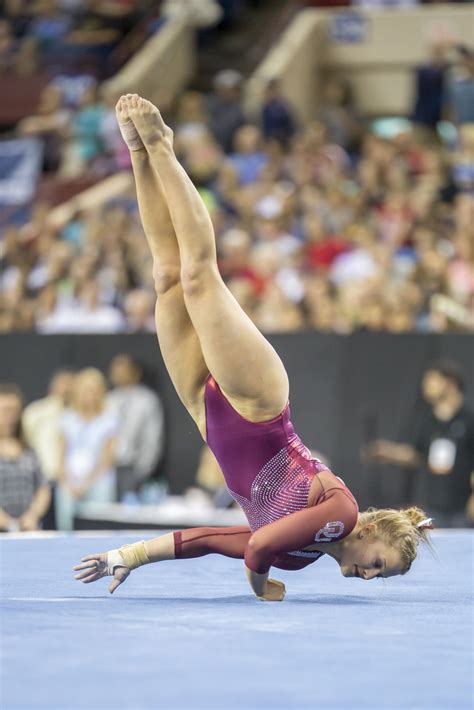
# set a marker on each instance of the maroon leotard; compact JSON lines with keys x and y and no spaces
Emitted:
{"x":269,"y":472}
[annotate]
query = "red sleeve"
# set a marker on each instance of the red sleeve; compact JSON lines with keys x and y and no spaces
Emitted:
{"x":329,"y":521}
{"x":197,"y":542}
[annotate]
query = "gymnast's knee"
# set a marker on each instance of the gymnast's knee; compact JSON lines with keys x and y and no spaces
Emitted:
{"x":166,"y":277}
{"x":198,"y":275}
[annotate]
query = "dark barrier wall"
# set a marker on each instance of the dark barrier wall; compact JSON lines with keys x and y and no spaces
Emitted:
{"x":344,"y":389}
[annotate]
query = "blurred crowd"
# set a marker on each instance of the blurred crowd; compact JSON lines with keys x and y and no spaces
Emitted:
{"x":81,"y":443}
{"x":338,"y":225}
{"x":63,"y":35}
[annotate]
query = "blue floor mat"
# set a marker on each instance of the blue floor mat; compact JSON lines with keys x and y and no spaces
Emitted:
{"x":188,"y":634}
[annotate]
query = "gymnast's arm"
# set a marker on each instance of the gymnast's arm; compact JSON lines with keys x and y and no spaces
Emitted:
{"x":183,"y":544}
{"x":329,"y":521}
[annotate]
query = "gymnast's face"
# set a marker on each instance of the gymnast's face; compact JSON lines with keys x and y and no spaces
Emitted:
{"x":369,"y":556}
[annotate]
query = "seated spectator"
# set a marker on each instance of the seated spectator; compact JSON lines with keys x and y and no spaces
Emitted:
{"x":49,"y":25}
{"x":339,"y":115}
{"x":139,"y":308}
{"x":463,"y":160}
{"x":41,"y":423}
{"x":8,"y":46}
{"x":140,"y":433}
{"x":278,"y":122}
{"x":85,"y":138}
{"x":24,"y":493}
{"x":115,"y":148}
{"x":248,"y":157}
{"x":50,"y":125}
{"x":224,"y":107}
{"x":88,"y":433}
{"x":459,"y":95}
{"x":191,"y":115}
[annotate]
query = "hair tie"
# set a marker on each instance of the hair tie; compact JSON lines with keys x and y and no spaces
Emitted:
{"x":427,"y":523}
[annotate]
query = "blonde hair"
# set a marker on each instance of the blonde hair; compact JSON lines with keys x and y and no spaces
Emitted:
{"x":398,"y":528}
{"x":89,"y":374}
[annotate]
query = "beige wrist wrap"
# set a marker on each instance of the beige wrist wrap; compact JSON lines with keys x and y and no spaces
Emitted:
{"x":134,"y":555}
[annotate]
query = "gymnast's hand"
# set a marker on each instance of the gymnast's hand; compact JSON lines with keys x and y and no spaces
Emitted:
{"x":101,"y":564}
{"x":274,"y":591}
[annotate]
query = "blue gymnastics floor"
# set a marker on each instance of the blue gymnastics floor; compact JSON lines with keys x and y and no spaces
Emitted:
{"x":188,"y":634}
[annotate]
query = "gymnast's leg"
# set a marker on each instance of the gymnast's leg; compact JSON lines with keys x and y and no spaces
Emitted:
{"x":177,"y":337}
{"x":244,"y":364}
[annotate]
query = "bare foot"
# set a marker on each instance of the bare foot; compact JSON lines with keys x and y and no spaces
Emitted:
{"x":127,"y":129}
{"x":148,"y":122}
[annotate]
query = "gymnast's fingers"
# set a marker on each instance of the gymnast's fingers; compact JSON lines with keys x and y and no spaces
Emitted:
{"x":92,"y":578}
{"x":86,"y":565}
{"x":94,"y":556}
{"x":87,"y":573}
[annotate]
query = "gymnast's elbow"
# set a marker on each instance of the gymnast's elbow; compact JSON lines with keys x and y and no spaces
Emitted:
{"x":259,"y":550}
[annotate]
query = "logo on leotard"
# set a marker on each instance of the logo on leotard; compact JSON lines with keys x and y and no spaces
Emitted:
{"x":329,"y":532}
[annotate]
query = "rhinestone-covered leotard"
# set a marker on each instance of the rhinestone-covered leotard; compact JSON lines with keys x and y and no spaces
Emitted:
{"x":269,"y":471}
{"x":267,"y":468}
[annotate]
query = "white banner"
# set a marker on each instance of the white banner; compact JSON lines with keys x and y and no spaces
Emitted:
{"x":20,"y":166}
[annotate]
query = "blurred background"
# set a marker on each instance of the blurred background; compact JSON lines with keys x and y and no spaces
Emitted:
{"x":333,"y":145}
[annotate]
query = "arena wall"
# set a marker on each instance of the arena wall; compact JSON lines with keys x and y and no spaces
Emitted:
{"x":344,"y":390}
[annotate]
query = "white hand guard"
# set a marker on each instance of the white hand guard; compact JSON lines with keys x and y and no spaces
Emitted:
{"x":114,"y":559}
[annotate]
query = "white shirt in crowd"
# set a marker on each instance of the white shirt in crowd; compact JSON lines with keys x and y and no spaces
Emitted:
{"x":41,"y":426}
{"x":85,"y":441}
{"x":140,"y":435}
{"x":67,"y":319}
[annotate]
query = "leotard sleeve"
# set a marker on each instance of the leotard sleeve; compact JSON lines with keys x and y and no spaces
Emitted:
{"x":328,"y":521}
{"x":197,"y":542}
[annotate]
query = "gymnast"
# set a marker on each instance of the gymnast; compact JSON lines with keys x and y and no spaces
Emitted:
{"x":235,"y":387}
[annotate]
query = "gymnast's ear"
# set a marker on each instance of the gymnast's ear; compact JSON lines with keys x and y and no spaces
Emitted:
{"x":367,"y":530}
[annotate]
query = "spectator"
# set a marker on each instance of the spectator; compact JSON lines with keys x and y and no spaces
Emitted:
{"x":8,"y":46}
{"x":50,"y":125}
{"x":429,"y":86}
{"x":278,"y":122}
{"x":85,"y":140}
{"x":459,"y":101}
{"x":463,"y":160}
{"x":225,"y":111}
{"x":41,"y":423}
{"x":88,"y":431}
{"x":115,"y":148}
{"x":139,"y":312}
{"x":24,"y":494}
{"x":442,"y":449}
{"x":248,"y":158}
{"x":49,"y":26}
{"x":339,"y":116}
{"x":140,"y":435}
